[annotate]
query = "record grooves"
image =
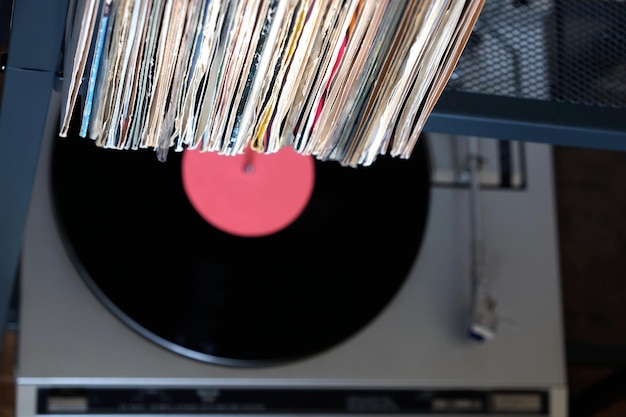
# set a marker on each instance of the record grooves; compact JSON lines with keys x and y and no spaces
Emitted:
{"x":163,"y":270}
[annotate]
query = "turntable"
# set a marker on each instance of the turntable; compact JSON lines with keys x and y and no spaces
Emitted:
{"x":377,"y":324}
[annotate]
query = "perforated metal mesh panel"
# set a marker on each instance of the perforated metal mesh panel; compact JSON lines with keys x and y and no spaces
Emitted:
{"x":554,"y":50}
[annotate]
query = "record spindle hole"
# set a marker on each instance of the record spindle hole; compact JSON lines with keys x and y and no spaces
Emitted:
{"x":248,"y":166}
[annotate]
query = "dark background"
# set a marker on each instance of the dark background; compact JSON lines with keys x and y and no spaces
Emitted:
{"x":591,"y":201}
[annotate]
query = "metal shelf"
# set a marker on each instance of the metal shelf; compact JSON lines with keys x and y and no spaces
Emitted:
{"x":529,"y":120}
{"x":551,"y":71}
{"x":35,"y":42}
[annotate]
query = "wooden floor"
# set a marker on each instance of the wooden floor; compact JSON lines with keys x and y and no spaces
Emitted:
{"x":7,"y":385}
{"x":591,"y":202}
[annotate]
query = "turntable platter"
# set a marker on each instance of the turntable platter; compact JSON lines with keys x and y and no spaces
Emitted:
{"x":162,"y":269}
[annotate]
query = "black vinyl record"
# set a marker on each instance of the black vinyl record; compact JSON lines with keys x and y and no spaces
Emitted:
{"x":163,"y":270}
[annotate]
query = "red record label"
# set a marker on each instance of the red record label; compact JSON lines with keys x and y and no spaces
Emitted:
{"x":249,"y":195}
